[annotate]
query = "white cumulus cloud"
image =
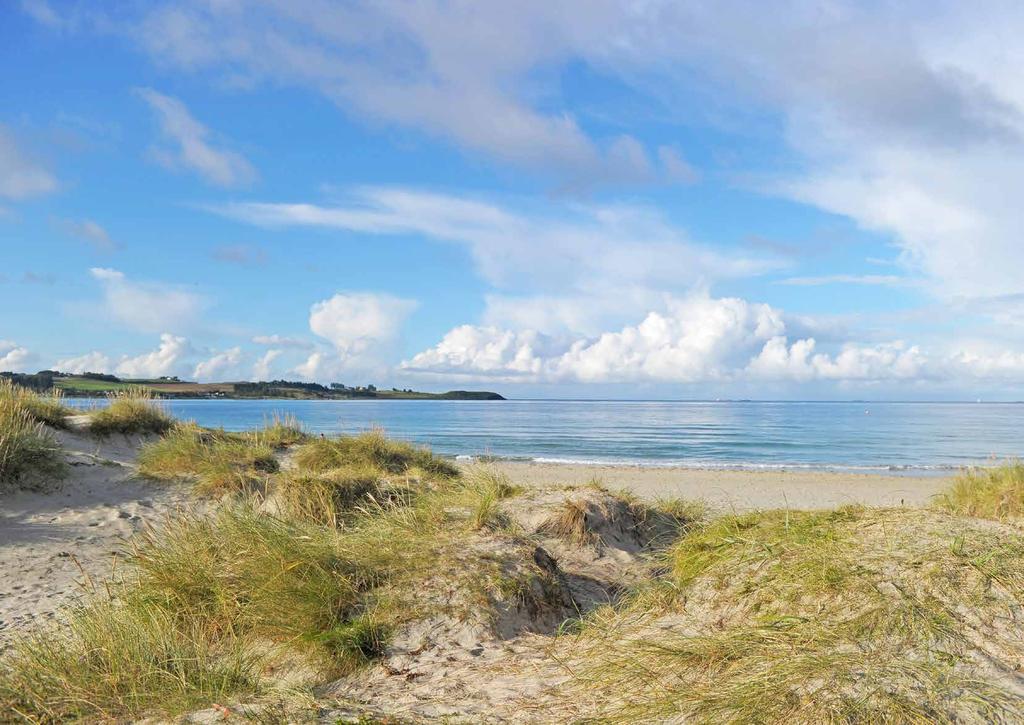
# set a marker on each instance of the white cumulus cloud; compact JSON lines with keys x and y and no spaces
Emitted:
{"x":360,"y":326}
{"x":90,"y":362}
{"x":263,"y":367}
{"x":170,"y":358}
{"x":13,"y":357}
{"x":219,"y":366}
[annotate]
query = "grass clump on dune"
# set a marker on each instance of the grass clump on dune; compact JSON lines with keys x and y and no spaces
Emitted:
{"x":332,"y":497}
{"x":281,"y":431}
{"x":209,"y":605}
{"x":335,"y":478}
{"x":133,"y":410}
{"x":48,"y":409}
{"x":116,"y":660}
{"x":215,"y":607}
{"x":989,"y":493}
{"x":28,"y":451}
{"x":219,"y":462}
{"x":372,"y":450}
{"x":806,"y":617}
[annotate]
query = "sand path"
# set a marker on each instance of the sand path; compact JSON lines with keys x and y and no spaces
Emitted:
{"x":52,"y":542}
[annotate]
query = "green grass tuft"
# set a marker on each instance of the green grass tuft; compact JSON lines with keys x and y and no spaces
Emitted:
{"x":332,"y":497}
{"x":218,"y":462}
{"x":48,"y":409}
{"x":281,"y":431}
{"x":372,"y":450}
{"x":130,"y":411}
{"x":116,"y":660}
{"x":988,"y":493}
{"x":29,"y":454}
{"x":833,"y":616}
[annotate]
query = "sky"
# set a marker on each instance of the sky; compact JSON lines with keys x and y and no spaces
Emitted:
{"x":588,"y":198}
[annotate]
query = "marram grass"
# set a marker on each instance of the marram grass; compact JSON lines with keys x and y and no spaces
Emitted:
{"x":211,"y":605}
{"x":852,"y":615}
{"x":133,"y":410}
{"x":47,"y":408}
{"x":989,"y":493}
{"x":29,"y":453}
{"x":216,"y":461}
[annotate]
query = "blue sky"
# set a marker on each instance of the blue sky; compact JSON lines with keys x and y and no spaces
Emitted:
{"x":593,"y":199}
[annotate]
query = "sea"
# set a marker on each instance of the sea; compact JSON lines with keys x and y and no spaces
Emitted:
{"x":910,"y":438}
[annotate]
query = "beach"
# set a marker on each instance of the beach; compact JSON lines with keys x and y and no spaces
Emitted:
{"x":147,"y":556}
{"x":737,"y":490}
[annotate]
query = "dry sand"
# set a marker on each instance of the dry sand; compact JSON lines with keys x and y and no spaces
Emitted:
{"x":53,"y":542}
{"x":738,"y":490}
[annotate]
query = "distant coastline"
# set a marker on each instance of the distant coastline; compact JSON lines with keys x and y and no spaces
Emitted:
{"x":94,"y":385}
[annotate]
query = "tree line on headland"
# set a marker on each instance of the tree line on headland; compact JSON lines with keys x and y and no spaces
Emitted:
{"x":91,"y":384}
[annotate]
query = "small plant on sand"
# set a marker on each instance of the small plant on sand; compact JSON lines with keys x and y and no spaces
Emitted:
{"x":133,"y":410}
{"x":44,"y":408}
{"x":989,"y":493}
{"x":486,"y":488}
{"x":28,"y":451}
{"x":219,"y":462}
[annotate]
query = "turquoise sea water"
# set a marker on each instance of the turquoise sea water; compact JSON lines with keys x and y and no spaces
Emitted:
{"x":915,"y":438}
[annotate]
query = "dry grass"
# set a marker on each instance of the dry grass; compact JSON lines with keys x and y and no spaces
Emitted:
{"x":181,"y":630}
{"x":570,"y":521}
{"x":807,"y":617}
{"x":282,"y":431}
{"x":333,"y":497}
{"x":133,"y":410}
{"x":216,"y":461}
{"x":48,"y":409}
{"x":337,"y":478}
{"x":988,"y":493}
{"x":29,"y":454}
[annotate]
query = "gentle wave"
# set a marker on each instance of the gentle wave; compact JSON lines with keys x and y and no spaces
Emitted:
{"x":714,"y":465}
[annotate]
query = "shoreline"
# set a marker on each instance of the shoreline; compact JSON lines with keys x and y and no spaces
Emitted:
{"x":737,"y":489}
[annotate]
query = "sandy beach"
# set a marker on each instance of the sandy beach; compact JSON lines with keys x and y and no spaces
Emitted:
{"x":51,"y":540}
{"x":738,"y":490}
